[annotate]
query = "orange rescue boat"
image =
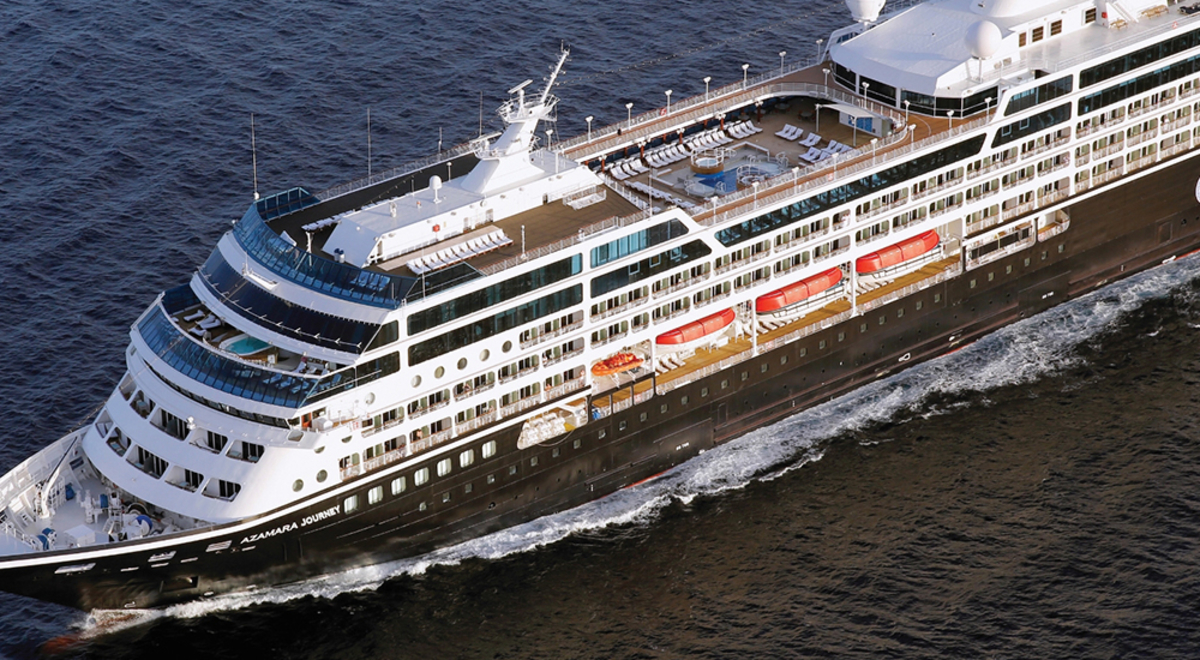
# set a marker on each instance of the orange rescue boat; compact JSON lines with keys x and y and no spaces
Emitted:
{"x":616,"y":364}
{"x":798,"y":292}
{"x":697,"y":329}
{"x":898,"y":253}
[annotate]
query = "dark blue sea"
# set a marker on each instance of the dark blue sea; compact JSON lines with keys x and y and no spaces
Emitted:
{"x":1036,"y":495}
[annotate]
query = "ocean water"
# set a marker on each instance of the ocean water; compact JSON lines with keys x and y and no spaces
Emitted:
{"x":1033,"y":495}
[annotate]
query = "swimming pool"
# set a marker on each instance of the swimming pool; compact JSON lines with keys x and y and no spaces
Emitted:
{"x":244,"y":345}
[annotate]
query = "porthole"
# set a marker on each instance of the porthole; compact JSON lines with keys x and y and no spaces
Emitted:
{"x":298,"y":485}
{"x":322,"y":476}
{"x":506,"y":347}
{"x":319,"y":449}
{"x":484,"y":355}
{"x":347,"y":439}
{"x":416,"y":381}
{"x":439,"y":372}
{"x":462,"y":363}
{"x":370,"y":398}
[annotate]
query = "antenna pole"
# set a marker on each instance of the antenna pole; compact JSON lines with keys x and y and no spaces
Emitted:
{"x":368,"y":141}
{"x":253,"y":156}
{"x":481,"y":113}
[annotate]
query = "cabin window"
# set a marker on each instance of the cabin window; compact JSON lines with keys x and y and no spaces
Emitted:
{"x":443,"y":467}
{"x":621,"y":426}
{"x":468,"y":488}
{"x":350,"y":505}
{"x":1089,"y":16}
{"x":298,"y":485}
{"x":642,"y":417}
{"x":489,"y":449}
{"x":466,"y":458}
{"x":398,"y":485}
{"x":375,"y":495}
{"x":533,"y":461}
{"x":576,"y":444}
{"x":422,"y":506}
{"x":663,"y":408}
{"x":420,"y":477}
{"x":491,"y":479}
{"x":445,"y":497}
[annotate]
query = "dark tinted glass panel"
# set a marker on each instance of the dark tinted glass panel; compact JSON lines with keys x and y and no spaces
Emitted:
{"x":276,"y":314}
{"x":228,"y":410}
{"x":627,"y":245}
{"x":1139,"y":85}
{"x":494,"y":294}
{"x":1040,"y":94}
{"x":648,"y":267}
{"x":205,"y":366}
{"x":830,"y":199}
{"x":1033,"y":124}
{"x":351,"y":377}
{"x":339,"y":280}
{"x":484,"y":328}
{"x":1139,"y":58}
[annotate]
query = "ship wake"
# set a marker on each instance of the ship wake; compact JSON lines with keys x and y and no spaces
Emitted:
{"x":1024,"y":352}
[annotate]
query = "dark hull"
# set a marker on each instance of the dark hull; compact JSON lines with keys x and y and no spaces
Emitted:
{"x":1123,"y":229}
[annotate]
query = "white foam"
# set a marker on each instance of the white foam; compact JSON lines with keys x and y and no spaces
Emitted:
{"x":1020,"y":353}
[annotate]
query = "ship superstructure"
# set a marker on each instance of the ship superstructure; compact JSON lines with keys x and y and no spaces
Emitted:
{"x":522,"y":325}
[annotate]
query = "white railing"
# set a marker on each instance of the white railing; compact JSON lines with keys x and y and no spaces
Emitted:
{"x":583,"y":234}
{"x":952,"y":271}
{"x":394,"y":173}
{"x":534,"y":341}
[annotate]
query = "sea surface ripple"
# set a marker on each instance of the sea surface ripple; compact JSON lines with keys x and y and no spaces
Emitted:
{"x":1031,"y":496}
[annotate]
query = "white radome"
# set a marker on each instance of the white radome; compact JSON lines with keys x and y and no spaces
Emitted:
{"x":983,"y":39}
{"x":865,"y":11}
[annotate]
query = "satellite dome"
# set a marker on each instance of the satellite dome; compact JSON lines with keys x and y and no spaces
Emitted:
{"x":865,"y":11}
{"x":983,"y":39}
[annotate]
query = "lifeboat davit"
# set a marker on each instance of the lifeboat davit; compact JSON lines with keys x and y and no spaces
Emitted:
{"x":798,"y":292}
{"x":697,"y":329}
{"x":616,"y":364}
{"x":898,"y":253}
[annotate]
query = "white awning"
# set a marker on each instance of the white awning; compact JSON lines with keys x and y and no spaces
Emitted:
{"x":852,"y":110}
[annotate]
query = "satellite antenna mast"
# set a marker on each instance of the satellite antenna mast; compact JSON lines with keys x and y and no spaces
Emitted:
{"x":253,"y":156}
{"x":368,"y":141}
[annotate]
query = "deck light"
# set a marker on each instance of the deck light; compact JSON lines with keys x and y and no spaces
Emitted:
{"x":707,"y":79}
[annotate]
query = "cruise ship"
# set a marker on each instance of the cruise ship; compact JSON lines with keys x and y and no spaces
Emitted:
{"x":524,"y":323}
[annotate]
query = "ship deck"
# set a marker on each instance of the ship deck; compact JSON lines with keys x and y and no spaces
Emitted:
{"x":702,"y":362}
{"x":555,"y":225}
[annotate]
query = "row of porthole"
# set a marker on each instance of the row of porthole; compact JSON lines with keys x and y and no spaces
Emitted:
{"x":462,"y":363}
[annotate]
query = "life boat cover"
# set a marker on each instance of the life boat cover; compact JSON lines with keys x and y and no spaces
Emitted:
{"x":898,"y":253}
{"x":797,"y":292}
{"x":697,"y":329}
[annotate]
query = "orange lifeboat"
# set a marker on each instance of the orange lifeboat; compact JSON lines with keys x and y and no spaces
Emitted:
{"x":898,"y":253}
{"x":799,"y":292}
{"x":616,"y":364}
{"x":697,"y":329}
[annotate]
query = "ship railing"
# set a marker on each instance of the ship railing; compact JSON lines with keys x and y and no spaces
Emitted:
{"x":1002,"y":252}
{"x":476,"y":422}
{"x":1176,"y":148}
{"x":611,"y":338}
{"x":382,"y":427}
{"x":511,"y":377}
{"x":394,"y":173}
{"x":1170,"y":125}
{"x":1045,"y":147}
{"x":1110,"y":149}
{"x":691,"y":281}
{"x":717,"y":298}
{"x":832,"y":253}
{"x":1060,"y":224}
{"x":428,"y":409}
{"x":686,"y":110}
{"x":566,"y":388}
{"x":991,"y":168}
{"x":673,"y":314}
{"x":520,"y":406}
{"x":613,"y":311}
{"x":983,"y":224}
{"x":1020,"y":209}
{"x":546,"y":336}
{"x":565,"y":356}
{"x":1139,"y":163}
{"x":733,"y":265}
{"x":938,"y":188}
{"x":583,"y":234}
{"x":883,"y":208}
{"x":804,"y":180}
{"x":471,"y":390}
{"x":1142,"y":137}
{"x":949,"y":272}
{"x":1105,"y":177}
{"x":1177,"y":22}
{"x":872,"y":238}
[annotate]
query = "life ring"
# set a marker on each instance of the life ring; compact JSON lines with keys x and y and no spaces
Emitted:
{"x":437,"y":228}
